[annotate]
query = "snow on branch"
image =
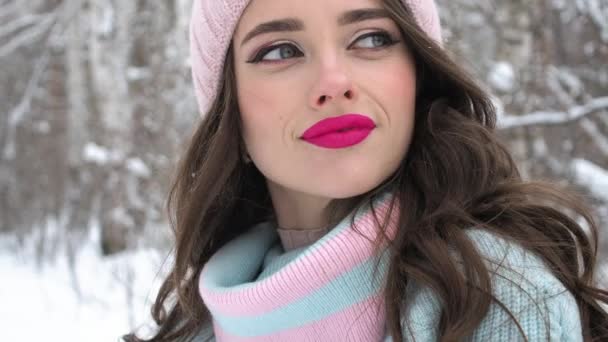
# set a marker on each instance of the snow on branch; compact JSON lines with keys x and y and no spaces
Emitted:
{"x":29,"y":35}
{"x":19,"y":112}
{"x":598,"y":13}
{"x":506,"y":121}
{"x":600,"y":140}
{"x":591,"y":177}
{"x":21,"y":22}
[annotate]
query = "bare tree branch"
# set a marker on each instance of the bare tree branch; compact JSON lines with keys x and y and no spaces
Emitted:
{"x":597,"y":14}
{"x":591,"y":176}
{"x":21,"y":22}
{"x":20,"y":111}
{"x":600,"y":140}
{"x":26,"y":36}
{"x":576,"y":113}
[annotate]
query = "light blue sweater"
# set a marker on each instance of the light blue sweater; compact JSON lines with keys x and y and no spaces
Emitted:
{"x":244,"y":268}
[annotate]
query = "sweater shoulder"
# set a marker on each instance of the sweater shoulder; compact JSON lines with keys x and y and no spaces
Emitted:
{"x":521,"y":283}
{"x":509,"y":261}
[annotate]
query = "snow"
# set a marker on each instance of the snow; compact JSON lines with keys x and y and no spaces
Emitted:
{"x":502,"y":77}
{"x":98,"y":299}
{"x":598,"y":13}
{"x":120,"y":215}
{"x":553,"y":117}
{"x":592,"y":177}
{"x":565,"y":80}
{"x":105,"y":24}
{"x":100,"y":155}
{"x":137,"y":73}
{"x":476,"y":19}
{"x":96,"y":154}
{"x":138,"y":167}
{"x":589,"y":49}
{"x":594,"y":132}
{"x":42,"y":126}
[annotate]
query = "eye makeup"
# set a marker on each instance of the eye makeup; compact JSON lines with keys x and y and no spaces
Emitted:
{"x":258,"y":57}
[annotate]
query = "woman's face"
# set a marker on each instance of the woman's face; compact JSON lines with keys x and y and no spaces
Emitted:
{"x":330,"y":58}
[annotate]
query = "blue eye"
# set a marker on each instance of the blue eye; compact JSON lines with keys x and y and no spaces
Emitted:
{"x":377,"y":37}
{"x":286,"y":50}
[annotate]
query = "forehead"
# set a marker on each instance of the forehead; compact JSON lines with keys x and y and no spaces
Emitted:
{"x":261,"y":11}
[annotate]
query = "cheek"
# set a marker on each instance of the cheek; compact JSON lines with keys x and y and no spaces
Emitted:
{"x":399,"y":100}
{"x":263,"y":107}
{"x":257,"y":105}
{"x":400,"y":86}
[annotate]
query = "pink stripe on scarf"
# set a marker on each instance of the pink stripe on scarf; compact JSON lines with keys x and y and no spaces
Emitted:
{"x":363,"y":321}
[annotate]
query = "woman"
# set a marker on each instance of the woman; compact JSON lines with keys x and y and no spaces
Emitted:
{"x":345,"y":183}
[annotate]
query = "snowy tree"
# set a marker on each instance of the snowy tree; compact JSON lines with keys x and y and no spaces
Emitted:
{"x":98,"y":101}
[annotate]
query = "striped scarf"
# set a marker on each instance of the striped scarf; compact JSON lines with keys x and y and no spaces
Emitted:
{"x":327,"y":291}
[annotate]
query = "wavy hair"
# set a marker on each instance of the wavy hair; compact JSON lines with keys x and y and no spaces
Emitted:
{"x":455,"y":175}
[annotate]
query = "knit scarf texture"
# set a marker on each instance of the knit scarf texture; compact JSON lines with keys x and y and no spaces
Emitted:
{"x":327,"y":291}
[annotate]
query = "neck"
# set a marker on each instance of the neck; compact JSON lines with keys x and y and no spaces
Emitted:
{"x":296,"y":238}
{"x":296,"y":210}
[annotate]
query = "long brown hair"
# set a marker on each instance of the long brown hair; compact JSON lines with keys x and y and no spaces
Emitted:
{"x":455,"y":175}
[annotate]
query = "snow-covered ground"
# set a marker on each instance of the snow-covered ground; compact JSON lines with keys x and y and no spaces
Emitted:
{"x":98,"y":299}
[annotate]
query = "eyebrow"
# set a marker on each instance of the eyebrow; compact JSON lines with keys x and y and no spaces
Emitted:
{"x":294,"y":24}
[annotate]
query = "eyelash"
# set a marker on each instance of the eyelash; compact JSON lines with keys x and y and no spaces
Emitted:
{"x":258,"y":57}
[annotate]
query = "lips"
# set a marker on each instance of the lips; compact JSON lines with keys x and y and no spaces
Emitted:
{"x":341,"y":131}
{"x":340,"y":123}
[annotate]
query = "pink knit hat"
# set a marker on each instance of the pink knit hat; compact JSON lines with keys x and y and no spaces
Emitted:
{"x":213,"y":23}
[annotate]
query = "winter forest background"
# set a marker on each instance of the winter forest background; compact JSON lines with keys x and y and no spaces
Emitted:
{"x":96,"y":103}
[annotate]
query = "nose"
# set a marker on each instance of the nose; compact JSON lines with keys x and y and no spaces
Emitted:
{"x":333,"y":84}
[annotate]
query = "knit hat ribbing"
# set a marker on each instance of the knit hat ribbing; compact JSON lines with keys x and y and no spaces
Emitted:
{"x":213,"y":23}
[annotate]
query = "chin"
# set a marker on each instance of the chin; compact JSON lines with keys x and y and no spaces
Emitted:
{"x":342,"y":190}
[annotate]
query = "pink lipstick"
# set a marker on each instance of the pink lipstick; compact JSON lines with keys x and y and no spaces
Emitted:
{"x":339,"y":132}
